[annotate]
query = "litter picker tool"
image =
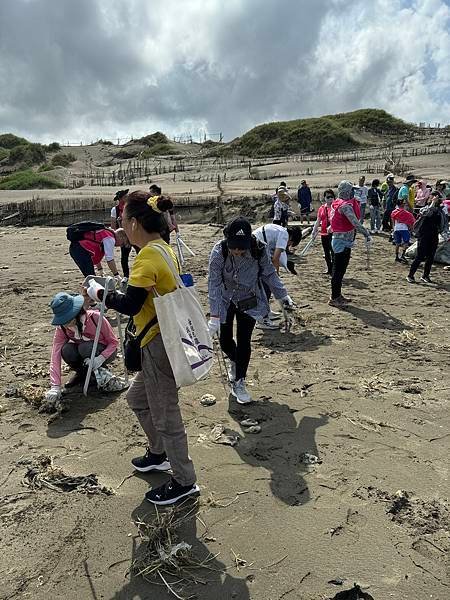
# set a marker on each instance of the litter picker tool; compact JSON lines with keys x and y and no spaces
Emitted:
{"x":184,"y":245}
{"x":222,"y":366}
{"x":308,"y":247}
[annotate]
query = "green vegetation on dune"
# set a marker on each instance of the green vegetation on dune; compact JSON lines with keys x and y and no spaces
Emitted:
{"x":158,"y":150}
{"x":152,"y":139}
{"x":27,"y":155}
{"x":28,"y":180}
{"x":291,"y":137}
{"x":62,"y":159}
{"x":9,"y":141}
{"x":371,"y":119}
{"x":331,"y":133}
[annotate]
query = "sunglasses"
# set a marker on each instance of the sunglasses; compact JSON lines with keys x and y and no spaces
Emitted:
{"x":329,"y":197}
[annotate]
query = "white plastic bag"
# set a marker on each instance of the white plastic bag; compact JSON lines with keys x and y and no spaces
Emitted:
{"x":184,"y":330}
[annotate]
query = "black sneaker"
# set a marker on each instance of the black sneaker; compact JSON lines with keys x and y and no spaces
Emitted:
{"x":397,"y":259}
{"x":151,"y":462}
{"x":425,"y":279}
{"x":410,"y":279}
{"x":78,"y":378}
{"x":171,"y":492}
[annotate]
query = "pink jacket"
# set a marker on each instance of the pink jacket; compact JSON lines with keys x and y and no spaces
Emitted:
{"x":61,"y":337}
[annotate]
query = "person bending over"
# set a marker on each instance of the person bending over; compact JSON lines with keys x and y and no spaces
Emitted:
{"x":238,"y":265}
{"x":88,"y":252}
{"x":278,"y":240}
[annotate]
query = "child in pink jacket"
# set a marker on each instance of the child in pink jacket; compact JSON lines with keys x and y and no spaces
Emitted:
{"x":403,"y":222}
{"x":73,"y":341}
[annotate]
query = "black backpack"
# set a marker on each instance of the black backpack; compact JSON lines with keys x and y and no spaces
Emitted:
{"x":76,"y":231}
{"x":271,"y":211}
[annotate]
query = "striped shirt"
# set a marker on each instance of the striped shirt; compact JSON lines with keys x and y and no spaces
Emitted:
{"x":236,"y":278}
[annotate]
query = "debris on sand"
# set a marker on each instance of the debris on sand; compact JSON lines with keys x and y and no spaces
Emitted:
{"x":42,"y":473}
{"x":33,"y":394}
{"x":219,"y":434}
{"x":252,"y":429}
{"x":249,"y":423}
{"x":310,"y":459}
{"x":164,"y":556}
{"x":208,"y":400}
{"x":421,"y":516}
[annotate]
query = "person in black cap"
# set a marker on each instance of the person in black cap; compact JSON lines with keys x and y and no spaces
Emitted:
{"x":407,"y":192}
{"x":239,"y":265}
{"x":116,"y":223}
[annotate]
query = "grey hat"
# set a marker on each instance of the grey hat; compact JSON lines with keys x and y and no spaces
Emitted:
{"x":346,"y":190}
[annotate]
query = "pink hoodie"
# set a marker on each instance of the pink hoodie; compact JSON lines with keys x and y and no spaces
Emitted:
{"x":61,"y":337}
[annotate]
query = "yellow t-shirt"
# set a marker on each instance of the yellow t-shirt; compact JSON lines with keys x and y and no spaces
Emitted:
{"x":150,"y":269}
{"x":411,"y":197}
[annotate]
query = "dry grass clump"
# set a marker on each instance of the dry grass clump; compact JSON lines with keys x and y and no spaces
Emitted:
{"x":42,"y":473}
{"x":166,"y":557}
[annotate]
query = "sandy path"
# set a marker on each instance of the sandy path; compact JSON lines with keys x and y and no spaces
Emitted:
{"x":366,"y":390}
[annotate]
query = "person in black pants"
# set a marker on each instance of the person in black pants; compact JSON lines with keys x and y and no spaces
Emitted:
{"x":322,"y":225}
{"x":340,"y":264}
{"x":345,"y":222}
{"x":431,"y":223}
{"x":244,"y":329}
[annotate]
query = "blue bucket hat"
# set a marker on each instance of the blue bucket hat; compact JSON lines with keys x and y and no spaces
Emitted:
{"x":65,"y":307}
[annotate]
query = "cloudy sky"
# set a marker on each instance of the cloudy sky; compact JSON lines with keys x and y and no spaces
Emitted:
{"x":84,"y":69}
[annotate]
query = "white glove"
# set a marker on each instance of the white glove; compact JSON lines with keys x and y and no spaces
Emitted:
{"x":93,"y":289}
{"x":53,"y":394}
{"x":214,"y":326}
{"x":286,"y":303}
{"x":96,"y":362}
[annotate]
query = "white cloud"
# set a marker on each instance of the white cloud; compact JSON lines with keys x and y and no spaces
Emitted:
{"x":100,"y":68}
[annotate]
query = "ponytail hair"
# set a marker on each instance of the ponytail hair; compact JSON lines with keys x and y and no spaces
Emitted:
{"x":148,"y":215}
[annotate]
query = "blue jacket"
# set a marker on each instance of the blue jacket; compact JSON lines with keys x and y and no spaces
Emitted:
{"x":304,"y":196}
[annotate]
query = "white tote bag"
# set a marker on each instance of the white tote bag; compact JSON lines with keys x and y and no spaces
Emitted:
{"x":184,"y":329}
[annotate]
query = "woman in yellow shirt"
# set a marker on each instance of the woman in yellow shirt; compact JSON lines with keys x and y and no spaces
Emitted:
{"x":153,"y":394}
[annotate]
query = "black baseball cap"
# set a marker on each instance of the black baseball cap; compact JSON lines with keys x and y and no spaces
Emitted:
{"x":238,"y":234}
{"x":120,"y":194}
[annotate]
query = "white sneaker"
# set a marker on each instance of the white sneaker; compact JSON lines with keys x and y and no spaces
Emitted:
{"x":231,"y":370}
{"x":239,"y":391}
{"x":266,"y":323}
{"x":274,"y":315}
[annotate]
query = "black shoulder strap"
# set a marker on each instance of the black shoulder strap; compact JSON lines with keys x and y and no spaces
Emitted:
{"x":264,"y":234}
{"x":224,"y":246}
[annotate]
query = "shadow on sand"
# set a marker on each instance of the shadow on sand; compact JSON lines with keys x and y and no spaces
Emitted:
{"x":279,"y":447}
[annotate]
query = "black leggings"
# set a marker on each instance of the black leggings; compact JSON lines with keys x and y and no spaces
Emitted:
{"x":82,"y":258}
{"x":328,"y":251}
{"x":124,"y":257}
{"x":340,"y":264}
{"x":426,"y":249}
{"x":241,"y":351}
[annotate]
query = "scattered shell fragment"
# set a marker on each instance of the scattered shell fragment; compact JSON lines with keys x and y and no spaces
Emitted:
{"x":310,"y":459}
{"x":208,"y":400}
{"x":253,"y":429}
{"x":249,"y":423}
